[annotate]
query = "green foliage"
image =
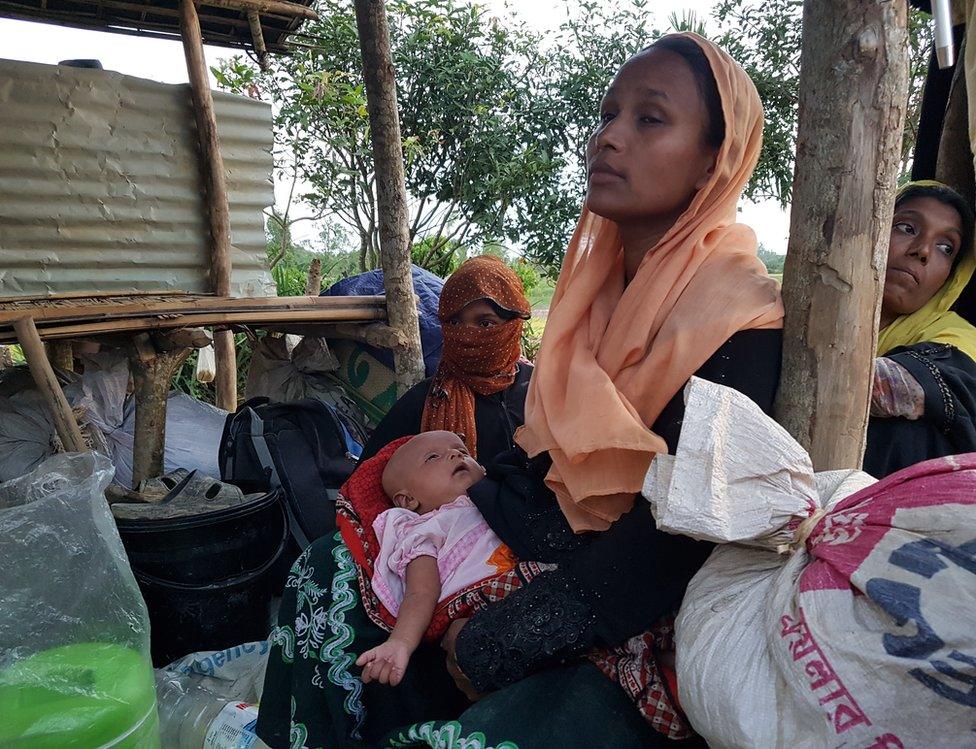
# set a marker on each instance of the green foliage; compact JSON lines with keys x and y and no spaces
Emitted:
{"x":438,"y":255}
{"x":773,"y":261}
{"x":541,"y":294}
{"x":290,"y":279}
{"x":532,"y":337}
{"x":765,"y":38}
{"x":528,"y":274}
{"x":477,"y":160}
{"x":495,"y":123}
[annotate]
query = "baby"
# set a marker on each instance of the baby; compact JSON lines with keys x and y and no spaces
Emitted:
{"x":433,"y":544}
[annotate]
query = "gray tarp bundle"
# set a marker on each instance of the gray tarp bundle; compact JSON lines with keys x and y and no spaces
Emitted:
{"x":107,"y":417}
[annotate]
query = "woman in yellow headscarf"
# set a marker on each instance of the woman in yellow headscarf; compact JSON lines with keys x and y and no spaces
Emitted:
{"x":923,"y":403}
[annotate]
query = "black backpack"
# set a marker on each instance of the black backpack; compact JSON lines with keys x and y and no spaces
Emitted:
{"x":305,"y":447}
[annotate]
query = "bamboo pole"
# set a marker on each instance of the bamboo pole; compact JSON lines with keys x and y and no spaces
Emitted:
{"x":47,"y":384}
{"x":391,"y":194}
{"x":257,"y":36}
{"x":854,"y":61}
{"x":218,"y":207}
{"x":276,"y":7}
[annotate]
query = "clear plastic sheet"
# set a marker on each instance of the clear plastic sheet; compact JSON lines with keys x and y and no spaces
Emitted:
{"x":66,"y":577}
{"x":74,"y":630}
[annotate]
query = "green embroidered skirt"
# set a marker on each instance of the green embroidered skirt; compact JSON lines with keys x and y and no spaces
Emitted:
{"x":313,"y":698}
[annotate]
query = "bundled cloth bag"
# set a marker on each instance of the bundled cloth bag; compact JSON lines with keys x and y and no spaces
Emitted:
{"x":840,"y":611}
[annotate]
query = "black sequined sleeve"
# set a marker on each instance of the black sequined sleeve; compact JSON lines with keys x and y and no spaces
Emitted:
{"x":609,"y":586}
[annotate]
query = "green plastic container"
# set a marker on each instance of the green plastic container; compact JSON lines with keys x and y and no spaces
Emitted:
{"x":85,"y":696}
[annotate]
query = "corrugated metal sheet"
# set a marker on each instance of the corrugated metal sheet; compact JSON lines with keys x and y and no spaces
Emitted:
{"x":100,"y":188}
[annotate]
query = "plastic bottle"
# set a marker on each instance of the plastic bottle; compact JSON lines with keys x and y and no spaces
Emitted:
{"x":191,"y":717}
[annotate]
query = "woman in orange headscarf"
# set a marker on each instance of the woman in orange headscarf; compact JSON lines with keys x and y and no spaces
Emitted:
{"x":659,"y":283}
{"x":480,"y":385}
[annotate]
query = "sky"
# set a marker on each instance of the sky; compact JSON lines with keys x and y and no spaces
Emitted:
{"x":163,"y":61}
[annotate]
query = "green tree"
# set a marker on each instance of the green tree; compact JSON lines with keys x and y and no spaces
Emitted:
{"x":773,"y":261}
{"x":474,"y":153}
{"x":765,"y":38}
{"x":494,"y":121}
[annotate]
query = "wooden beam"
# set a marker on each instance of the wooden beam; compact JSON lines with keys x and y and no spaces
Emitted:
{"x":225,"y":383}
{"x":257,"y":36}
{"x":47,"y":384}
{"x":277,"y":7}
{"x":86,"y":295}
{"x":376,"y":334}
{"x":146,"y":29}
{"x":158,"y":10}
{"x":259,"y":319}
{"x":215,"y":178}
{"x":152,"y":375}
{"x":191,"y":338}
{"x":854,"y":62}
{"x":44,"y":315}
{"x":391,"y":193}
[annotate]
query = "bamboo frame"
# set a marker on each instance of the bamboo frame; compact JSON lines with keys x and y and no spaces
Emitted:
{"x":215,"y":179}
{"x":47,"y":383}
{"x":279,"y":7}
{"x":259,"y":319}
{"x":278,"y":20}
{"x":257,"y":36}
{"x":193,"y":306}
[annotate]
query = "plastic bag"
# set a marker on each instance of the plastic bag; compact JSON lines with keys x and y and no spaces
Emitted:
{"x":235,"y":673}
{"x":849,"y":621}
{"x":206,"y":370}
{"x":74,"y":631}
{"x":193,"y":432}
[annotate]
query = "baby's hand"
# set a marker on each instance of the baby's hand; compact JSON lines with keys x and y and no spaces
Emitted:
{"x":385,"y":663}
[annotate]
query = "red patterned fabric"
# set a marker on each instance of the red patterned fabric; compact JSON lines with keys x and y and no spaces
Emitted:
{"x":635,"y":667}
{"x":366,"y":499}
{"x":361,"y":500}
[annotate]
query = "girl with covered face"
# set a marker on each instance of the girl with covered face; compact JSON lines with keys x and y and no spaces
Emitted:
{"x":479,"y":388}
{"x":923,"y":402}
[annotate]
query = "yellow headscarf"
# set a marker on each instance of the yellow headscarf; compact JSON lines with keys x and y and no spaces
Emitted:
{"x":934,"y":321}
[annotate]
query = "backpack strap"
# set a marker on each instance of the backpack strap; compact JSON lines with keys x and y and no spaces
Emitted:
{"x":263,"y":454}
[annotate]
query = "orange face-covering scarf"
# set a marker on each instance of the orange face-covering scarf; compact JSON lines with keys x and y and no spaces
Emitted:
{"x":474,"y":359}
{"x":613,"y":356}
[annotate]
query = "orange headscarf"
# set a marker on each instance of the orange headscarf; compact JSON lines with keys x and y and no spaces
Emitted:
{"x":474,"y":360}
{"x":612,"y":357}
